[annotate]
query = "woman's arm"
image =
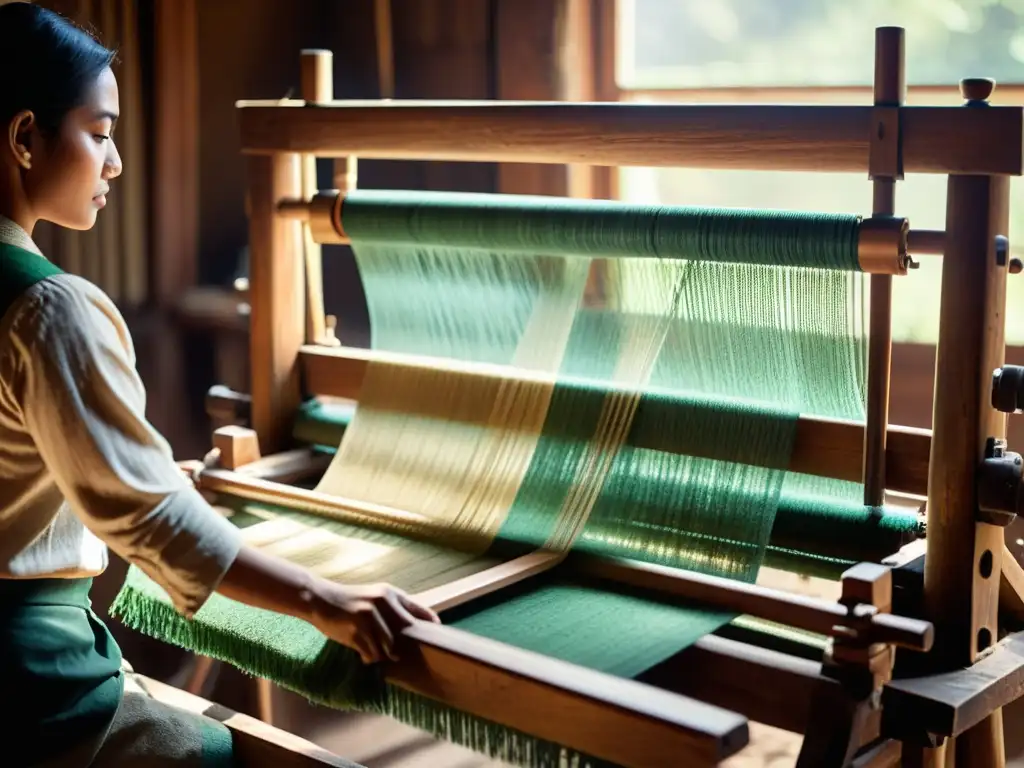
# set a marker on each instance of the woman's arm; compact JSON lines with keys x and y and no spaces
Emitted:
{"x":365,"y":618}
{"x":84,"y":405}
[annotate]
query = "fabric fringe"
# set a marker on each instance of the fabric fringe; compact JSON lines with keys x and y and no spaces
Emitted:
{"x":337,"y":678}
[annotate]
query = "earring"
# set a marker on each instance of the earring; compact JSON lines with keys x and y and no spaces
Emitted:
{"x":26,"y":160}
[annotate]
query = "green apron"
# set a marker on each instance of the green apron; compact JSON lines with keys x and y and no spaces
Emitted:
{"x":60,"y":667}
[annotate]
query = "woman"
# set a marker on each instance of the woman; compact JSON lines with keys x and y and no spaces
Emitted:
{"x":80,"y":467}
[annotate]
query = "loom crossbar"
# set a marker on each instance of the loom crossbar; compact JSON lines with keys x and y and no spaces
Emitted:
{"x":623,"y":721}
{"x":824,"y":447}
{"x":950,"y":703}
{"x":945,"y":140}
{"x":820,"y":616}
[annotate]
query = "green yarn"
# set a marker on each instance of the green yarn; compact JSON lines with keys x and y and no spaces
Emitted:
{"x":322,"y":423}
{"x":601,"y":228}
{"x":811,"y":534}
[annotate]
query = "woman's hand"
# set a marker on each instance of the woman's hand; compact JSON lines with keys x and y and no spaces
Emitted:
{"x":366,"y":618}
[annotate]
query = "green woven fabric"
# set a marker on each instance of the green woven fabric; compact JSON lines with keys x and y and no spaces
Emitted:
{"x":699,"y":339}
{"x":813,"y":534}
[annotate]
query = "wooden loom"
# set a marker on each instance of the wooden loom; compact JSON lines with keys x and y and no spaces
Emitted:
{"x":948,"y":605}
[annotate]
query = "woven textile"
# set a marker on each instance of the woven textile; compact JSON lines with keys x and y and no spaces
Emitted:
{"x":721,"y":330}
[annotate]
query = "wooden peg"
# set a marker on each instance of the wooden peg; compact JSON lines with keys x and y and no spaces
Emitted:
{"x":868,"y":583}
{"x":238,"y":446}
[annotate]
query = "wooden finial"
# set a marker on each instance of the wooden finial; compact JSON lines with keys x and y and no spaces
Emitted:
{"x":330,"y":338}
{"x":238,"y":446}
{"x":977,"y":89}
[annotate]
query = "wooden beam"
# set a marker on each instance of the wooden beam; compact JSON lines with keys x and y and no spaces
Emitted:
{"x":623,"y":721}
{"x":254,"y":742}
{"x":822,"y":447}
{"x":960,"y":595}
{"x":277,"y":299}
{"x":823,"y":617}
{"x":767,"y":686}
{"x":950,"y":703}
{"x":461,"y":591}
{"x":946,"y":140}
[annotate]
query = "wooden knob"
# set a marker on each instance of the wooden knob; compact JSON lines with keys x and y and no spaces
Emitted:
{"x":1016,"y":266}
{"x":977,"y":88}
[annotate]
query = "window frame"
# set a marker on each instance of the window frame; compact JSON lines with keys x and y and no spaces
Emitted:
{"x":606,"y":67}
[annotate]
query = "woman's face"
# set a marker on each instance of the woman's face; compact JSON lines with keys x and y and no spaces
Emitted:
{"x":70,"y":172}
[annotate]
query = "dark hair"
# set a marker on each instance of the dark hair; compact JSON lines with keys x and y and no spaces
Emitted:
{"x":47,"y":64}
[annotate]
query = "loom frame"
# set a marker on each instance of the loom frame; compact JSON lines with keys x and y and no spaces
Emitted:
{"x":978,"y":148}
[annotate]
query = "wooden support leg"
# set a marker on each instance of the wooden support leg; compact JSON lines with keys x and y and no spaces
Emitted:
{"x":983,"y":744}
{"x":834,"y":734}
{"x":277,"y":299}
{"x":841,"y":715}
{"x":963,"y":566}
{"x":924,"y":757}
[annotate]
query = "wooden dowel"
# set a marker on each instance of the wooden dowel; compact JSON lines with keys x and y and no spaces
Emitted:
{"x":926,"y":242}
{"x":890,"y":88}
{"x":258,"y":489}
{"x":881,"y":243}
{"x":864,"y":623}
{"x":612,"y":718}
{"x":317,"y":78}
{"x":753,"y":137}
{"x":823,"y":447}
{"x":385,"y":48}
{"x":919,"y":242}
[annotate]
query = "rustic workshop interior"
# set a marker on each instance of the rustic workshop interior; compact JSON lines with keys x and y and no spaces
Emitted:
{"x":683,"y":378}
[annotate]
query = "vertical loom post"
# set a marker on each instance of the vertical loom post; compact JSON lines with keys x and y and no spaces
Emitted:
{"x":963,"y":561}
{"x":277,"y":323}
{"x":317,"y":82}
{"x":885,"y":168}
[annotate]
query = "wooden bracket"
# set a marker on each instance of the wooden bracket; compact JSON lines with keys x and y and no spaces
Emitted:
{"x":237,"y":446}
{"x":1000,"y":481}
{"x":862,"y":667}
{"x":885,"y":154}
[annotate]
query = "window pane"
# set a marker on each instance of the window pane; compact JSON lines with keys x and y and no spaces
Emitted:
{"x":726,"y":43}
{"x":921,"y":198}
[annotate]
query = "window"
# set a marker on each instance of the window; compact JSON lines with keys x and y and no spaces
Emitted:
{"x":822,"y":51}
